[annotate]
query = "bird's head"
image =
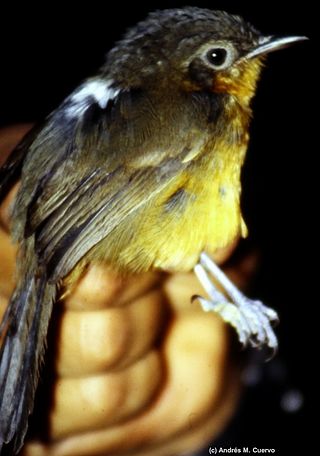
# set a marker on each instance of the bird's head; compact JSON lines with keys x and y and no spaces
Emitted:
{"x":194,"y":49}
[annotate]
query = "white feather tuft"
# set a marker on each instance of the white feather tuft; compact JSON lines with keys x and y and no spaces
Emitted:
{"x":99,"y":89}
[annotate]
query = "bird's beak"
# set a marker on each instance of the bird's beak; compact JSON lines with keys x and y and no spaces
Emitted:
{"x":272,"y":43}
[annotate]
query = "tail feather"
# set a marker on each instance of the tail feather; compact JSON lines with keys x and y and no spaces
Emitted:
{"x":23,"y":332}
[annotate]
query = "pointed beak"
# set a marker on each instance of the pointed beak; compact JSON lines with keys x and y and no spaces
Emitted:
{"x":272,"y":43}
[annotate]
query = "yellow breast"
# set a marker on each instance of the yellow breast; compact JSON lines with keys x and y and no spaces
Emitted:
{"x":199,"y":210}
{"x":209,"y":220}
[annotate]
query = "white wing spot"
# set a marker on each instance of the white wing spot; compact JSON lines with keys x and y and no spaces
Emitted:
{"x":99,"y":89}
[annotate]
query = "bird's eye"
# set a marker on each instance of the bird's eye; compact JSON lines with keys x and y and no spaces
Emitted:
{"x":220,"y":57}
{"x":217,"y":56}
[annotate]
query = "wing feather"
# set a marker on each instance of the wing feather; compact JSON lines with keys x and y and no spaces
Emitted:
{"x":84,"y":176}
{"x":128,"y":195}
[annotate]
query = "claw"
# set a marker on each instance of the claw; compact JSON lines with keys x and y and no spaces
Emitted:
{"x":251,"y":319}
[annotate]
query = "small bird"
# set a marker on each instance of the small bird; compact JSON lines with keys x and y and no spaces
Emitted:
{"x":138,"y":169}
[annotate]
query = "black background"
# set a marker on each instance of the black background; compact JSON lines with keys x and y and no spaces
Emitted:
{"x":47,"y":51}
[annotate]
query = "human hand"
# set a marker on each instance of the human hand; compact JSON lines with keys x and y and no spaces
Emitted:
{"x":139,"y":369}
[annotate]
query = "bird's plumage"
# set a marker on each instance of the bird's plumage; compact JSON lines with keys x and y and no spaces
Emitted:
{"x":138,"y":168}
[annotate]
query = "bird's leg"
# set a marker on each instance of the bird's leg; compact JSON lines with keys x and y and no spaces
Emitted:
{"x":251,"y":319}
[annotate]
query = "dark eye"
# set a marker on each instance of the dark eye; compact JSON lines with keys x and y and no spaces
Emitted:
{"x":217,"y":57}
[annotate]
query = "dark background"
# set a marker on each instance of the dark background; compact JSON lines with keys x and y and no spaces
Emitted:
{"x":47,"y":51}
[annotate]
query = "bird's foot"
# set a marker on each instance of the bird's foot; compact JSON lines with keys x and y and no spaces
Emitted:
{"x":251,"y":319}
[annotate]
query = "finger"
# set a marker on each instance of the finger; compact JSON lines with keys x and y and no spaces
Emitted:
{"x":194,"y":354}
{"x":98,"y":401}
{"x":95,"y":341}
{"x":179,"y":288}
{"x":100,"y":288}
{"x":6,"y":208}
{"x":221,"y":255}
{"x":9,"y":138}
{"x":7,"y":265}
{"x":3,"y":306}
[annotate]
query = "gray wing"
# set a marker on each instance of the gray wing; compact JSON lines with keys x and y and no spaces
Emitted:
{"x":100,"y":204}
{"x":77,"y":186}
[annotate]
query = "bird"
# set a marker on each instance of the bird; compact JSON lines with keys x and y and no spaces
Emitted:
{"x":138,"y":169}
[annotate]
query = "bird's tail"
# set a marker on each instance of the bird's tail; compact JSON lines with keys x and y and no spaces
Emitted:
{"x":23,"y":334}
